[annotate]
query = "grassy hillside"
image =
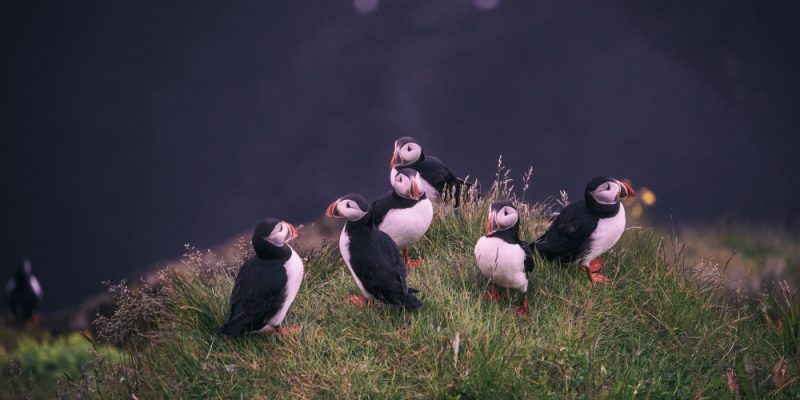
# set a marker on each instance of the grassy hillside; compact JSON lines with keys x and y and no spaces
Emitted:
{"x":656,"y":331}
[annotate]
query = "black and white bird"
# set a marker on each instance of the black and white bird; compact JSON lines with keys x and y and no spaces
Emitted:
{"x":437,"y":179}
{"x":371,"y":255}
{"x":502,"y":257}
{"x":586,"y":229}
{"x":267,"y":283}
{"x":405,"y":213}
{"x":23,"y":293}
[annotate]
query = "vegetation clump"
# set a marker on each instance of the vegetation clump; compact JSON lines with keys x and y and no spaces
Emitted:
{"x":656,"y":331}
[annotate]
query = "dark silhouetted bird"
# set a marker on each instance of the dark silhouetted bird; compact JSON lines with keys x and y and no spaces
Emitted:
{"x":23,"y":293}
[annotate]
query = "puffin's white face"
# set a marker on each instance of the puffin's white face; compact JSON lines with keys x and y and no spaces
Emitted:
{"x":408,"y":154}
{"x":407,"y":187}
{"x":608,"y":192}
{"x":506,"y":218}
{"x":346,"y":208}
{"x":282,"y":233}
{"x":501,"y":219}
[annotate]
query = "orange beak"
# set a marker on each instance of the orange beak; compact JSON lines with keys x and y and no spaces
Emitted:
{"x":415,"y":192}
{"x":294,"y":234}
{"x":629,"y":192}
{"x":393,"y":163}
{"x":331,"y":211}
{"x":491,"y":226}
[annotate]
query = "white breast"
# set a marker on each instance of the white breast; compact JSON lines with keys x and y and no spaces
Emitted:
{"x":406,"y":226}
{"x":294,"y":275}
{"x":502,"y":263}
{"x":344,"y":248}
{"x":37,"y":288}
{"x":607,"y":234}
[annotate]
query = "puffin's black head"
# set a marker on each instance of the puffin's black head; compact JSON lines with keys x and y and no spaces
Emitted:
{"x":607,"y":191}
{"x":503,"y":216}
{"x":352,"y":206}
{"x":271,"y":234}
{"x":407,"y":184}
{"x":406,"y":152}
{"x":24,"y":269}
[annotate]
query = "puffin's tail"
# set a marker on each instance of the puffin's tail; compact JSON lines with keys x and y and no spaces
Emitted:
{"x":231,"y":330}
{"x":235,"y":327}
{"x":410,"y":302}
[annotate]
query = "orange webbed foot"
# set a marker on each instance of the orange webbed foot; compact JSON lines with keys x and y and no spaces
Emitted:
{"x":411,"y":263}
{"x":359,"y":301}
{"x":600,"y":278}
{"x":522,"y":309}
{"x":492,"y":295}
{"x":289,"y":330}
{"x":593,"y":270}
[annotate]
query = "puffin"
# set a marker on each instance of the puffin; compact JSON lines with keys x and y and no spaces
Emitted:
{"x":502,"y":257}
{"x":371,"y":255}
{"x":267,"y":283}
{"x":23,"y":293}
{"x":588,"y":228}
{"x":436,"y":177}
{"x":405,"y":213}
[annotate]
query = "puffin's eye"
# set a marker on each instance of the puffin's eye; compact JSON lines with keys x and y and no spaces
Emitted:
{"x":505,"y":211}
{"x":280,"y":228}
{"x":408,"y":148}
{"x":608,"y":186}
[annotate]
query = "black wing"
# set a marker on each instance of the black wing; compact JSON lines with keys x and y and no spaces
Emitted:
{"x":528,"y":256}
{"x":257,"y":296}
{"x":379,"y":266}
{"x":436,"y":173}
{"x":439,"y":176}
{"x":567,"y":238}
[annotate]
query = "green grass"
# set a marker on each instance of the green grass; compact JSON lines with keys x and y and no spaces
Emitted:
{"x":653,"y":332}
{"x":34,"y":366}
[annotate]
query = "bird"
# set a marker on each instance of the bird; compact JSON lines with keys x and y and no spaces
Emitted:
{"x":405,"y":213}
{"x":267,"y":283}
{"x":23,"y":293}
{"x":583,"y":231}
{"x":437,"y":179}
{"x":502,"y":257}
{"x":371,"y":255}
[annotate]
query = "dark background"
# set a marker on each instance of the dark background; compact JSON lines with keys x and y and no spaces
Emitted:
{"x":131,"y":128}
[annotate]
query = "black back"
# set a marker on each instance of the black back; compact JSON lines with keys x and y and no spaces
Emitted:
{"x":376,"y":261}
{"x":259,"y":291}
{"x":568,"y":237}
{"x":435,"y":172}
{"x":22,"y":299}
{"x":391,"y":201}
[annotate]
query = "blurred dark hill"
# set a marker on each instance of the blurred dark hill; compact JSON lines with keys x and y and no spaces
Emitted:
{"x":130,"y":128}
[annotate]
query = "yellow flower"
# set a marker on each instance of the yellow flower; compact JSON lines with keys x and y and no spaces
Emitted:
{"x":647,"y":196}
{"x":636,"y":211}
